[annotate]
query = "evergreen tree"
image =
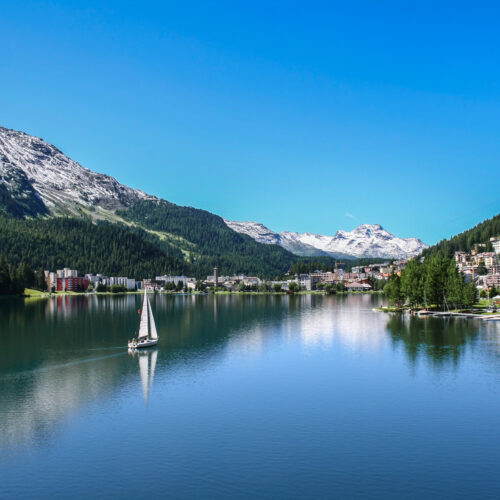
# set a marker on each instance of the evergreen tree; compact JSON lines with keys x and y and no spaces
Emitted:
{"x":470,"y":295}
{"x":481,"y":269}
{"x":454,"y":286}
{"x":40,"y":282}
{"x":25,"y":275}
{"x":412,"y":283}
{"x":435,"y":280}
{"x":393,"y":289}
{"x":5,"y":281}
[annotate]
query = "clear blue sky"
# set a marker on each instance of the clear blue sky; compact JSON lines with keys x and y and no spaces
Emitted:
{"x":306,"y":116}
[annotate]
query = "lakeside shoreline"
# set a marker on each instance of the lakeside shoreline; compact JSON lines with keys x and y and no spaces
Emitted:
{"x":32,"y":294}
{"x":477,"y":311}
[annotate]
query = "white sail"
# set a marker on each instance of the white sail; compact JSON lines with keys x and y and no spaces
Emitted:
{"x":144,"y":369}
{"x":143,"y":327}
{"x":153,"y":334}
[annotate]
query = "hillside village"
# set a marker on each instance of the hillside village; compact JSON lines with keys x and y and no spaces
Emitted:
{"x":483,"y":268}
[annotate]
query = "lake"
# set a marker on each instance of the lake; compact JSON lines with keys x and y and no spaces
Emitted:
{"x":246,"y":397}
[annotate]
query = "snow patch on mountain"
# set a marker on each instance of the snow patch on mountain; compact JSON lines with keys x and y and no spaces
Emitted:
{"x":63,"y":185}
{"x":256,"y":231}
{"x":367,"y":240}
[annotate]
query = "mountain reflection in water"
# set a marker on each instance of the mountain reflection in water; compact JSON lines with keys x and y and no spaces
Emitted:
{"x":64,"y":358}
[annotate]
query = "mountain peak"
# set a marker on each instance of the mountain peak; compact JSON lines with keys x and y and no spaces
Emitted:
{"x":365,"y":241}
{"x":371,"y":227}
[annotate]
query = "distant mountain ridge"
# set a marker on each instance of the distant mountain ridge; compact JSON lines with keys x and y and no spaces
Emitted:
{"x":37,"y":180}
{"x":367,"y":240}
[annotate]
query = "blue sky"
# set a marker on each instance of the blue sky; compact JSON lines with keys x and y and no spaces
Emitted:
{"x":305,"y":116}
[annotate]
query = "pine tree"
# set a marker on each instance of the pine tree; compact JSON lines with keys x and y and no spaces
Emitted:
{"x":5,"y":281}
{"x":40,"y":282}
{"x":393,"y":289}
{"x":435,"y":280}
{"x":412,"y":283}
{"x":454,"y":286}
{"x":470,"y":294}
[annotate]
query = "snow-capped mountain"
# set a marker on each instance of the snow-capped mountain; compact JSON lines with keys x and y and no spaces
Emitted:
{"x":36,"y":178}
{"x":32,"y":169}
{"x":367,"y":240}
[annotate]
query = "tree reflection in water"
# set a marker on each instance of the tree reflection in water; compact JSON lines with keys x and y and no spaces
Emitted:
{"x":439,"y":340}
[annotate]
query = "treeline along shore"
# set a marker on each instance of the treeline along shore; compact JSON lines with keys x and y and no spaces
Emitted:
{"x":435,"y":282}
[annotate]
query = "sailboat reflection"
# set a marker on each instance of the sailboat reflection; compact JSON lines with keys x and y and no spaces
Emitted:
{"x":147,"y":365}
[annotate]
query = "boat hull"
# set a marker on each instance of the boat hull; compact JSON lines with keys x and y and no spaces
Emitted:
{"x":143,"y":344}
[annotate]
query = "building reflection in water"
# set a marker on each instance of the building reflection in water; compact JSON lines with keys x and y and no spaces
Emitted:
{"x":350,"y":321}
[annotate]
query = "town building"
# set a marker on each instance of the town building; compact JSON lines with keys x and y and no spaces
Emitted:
{"x":71,"y":284}
{"x":150,"y":285}
{"x":252,"y":281}
{"x":495,"y":243}
{"x":67,"y":273}
{"x":128,"y":283}
{"x":489,"y":258}
{"x":93,"y":279}
{"x":175,"y":279}
{"x":358,"y":287}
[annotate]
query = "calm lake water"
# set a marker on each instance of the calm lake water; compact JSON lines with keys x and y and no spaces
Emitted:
{"x":246,"y":397}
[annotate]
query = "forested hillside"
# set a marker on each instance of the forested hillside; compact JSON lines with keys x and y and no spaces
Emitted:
{"x":83,"y":245}
{"x":118,"y":250}
{"x":466,"y":240}
{"x":212,"y":242}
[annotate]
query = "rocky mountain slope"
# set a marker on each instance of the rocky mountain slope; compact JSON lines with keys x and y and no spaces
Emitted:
{"x":32,"y":169}
{"x":367,"y":240}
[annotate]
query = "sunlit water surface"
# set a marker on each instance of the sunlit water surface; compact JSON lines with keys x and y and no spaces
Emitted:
{"x":246,"y":397}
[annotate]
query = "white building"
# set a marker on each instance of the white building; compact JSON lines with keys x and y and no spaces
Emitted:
{"x":252,"y":281}
{"x":283,"y":284}
{"x":495,"y":243}
{"x":358,"y":287}
{"x":93,"y":278}
{"x":128,"y":283}
{"x":67,"y":273}
{"x":175,"y":279}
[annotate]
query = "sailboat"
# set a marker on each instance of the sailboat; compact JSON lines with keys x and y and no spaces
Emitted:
{"x":148,"y":336}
